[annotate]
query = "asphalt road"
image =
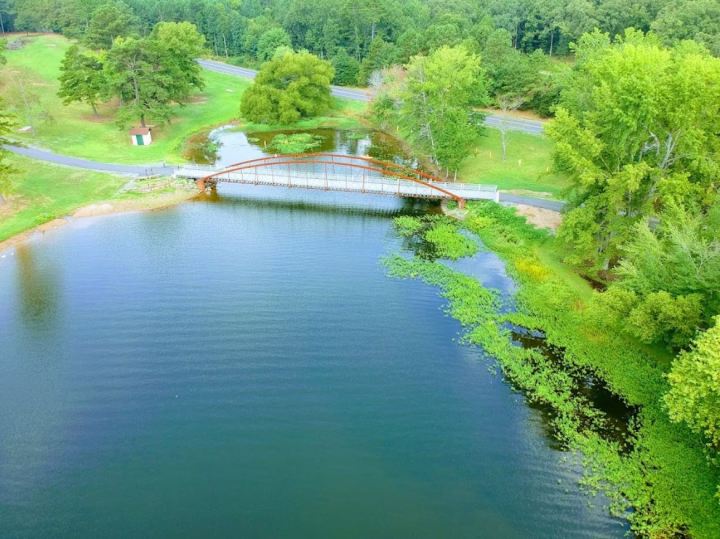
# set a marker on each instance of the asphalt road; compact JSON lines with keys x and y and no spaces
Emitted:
{"x":533,"y":127}
{"x":554,"y":205}
{"x":50,"y":157}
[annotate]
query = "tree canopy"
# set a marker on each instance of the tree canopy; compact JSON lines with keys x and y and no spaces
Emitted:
{"x":433,"y":102}
{"x":376,"y":34}
{"x":7,"y":122}
{"x":81,"y":78}
{"x":147,"y":74}
{"x":636,"y":130}
{"x":291,"y":86}
{"x":109,"y":21}
{"x":694,"y":396}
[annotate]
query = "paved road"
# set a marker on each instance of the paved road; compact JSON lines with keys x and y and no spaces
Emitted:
{"x":50,"y":157}
{"x":534,"y":127}
{"x":554,"y":205}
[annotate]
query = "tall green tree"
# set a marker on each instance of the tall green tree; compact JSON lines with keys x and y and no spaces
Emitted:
{"x":346,"y":69}
{"x":690,"y":19}
{"x":7,"y":122}
{"x":436,"y":103}
{"x":81,"y":78}
{"x":680,"y":255}
{"x":150,"y":74}
{"x":636,"y":129}
{"x":108,"y":22}
{"x":694,"y":395}
{"x":270,"y":41}
{"x":289,"y":87}
{"x":179,"y":45}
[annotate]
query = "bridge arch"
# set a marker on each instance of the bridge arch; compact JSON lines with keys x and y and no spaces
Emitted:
{"x":365,"y":164}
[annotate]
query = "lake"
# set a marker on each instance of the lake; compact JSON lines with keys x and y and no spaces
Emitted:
{"x":242,"y":366}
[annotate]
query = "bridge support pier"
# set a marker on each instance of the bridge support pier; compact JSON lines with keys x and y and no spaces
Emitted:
{"x":203,"y":184}
{"x":461,"y":203}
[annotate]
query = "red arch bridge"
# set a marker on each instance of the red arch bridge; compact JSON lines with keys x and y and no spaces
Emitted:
{"x":335,"y":172}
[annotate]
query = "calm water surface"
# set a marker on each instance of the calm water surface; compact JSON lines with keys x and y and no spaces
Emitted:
{"x":235,"y":368}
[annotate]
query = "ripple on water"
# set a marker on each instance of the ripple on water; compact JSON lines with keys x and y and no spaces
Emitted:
{"x":250,"y":369}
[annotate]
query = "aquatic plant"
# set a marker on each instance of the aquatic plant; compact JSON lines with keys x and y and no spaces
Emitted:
{"x":658,"y":476}
{"x":294,"y":143}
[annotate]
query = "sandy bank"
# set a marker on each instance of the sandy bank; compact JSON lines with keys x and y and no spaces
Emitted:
{"x":151,"y":201}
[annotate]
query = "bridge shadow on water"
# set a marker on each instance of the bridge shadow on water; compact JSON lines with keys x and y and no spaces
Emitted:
{"x":317,"y":201}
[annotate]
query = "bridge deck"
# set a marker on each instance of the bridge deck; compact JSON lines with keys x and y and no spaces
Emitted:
{"x":333,"y":181}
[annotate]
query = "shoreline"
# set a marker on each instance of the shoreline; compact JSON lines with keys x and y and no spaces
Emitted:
{"x":150,"y":202}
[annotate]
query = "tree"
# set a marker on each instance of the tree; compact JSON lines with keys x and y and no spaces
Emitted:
{"x":108,"y":22}
{"x":680,"y":255}
{"x":147,"y":75}
{"x":379,"y":56}
{"x":180,"y":44}
{"x":436,"y":103}
{"x":81,"y":78}
{"x":691,"y":19}
{"x":7,"y":122}
{"x":7,"y":15}
{"x":694,"y":395}
{"x":636,"y":129}
{"x":270,"y":41}
{"x":289,"y":87}
{"x":346,"y":68}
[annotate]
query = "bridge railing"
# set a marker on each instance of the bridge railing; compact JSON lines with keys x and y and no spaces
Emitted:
{"x":303,"y":171}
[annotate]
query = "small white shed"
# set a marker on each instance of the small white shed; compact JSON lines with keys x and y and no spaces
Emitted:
{"x":140,"y":136}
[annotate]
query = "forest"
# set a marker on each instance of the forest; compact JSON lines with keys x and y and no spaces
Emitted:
{"x":359,"y":39}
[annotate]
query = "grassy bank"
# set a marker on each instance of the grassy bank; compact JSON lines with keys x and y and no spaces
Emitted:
{"x":30,"y":85}
{"x":526,"y":167}
{"x":656,"y":473}
{"x":47,"y":192}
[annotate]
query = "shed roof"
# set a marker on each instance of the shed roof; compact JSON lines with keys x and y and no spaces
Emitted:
{"x":140,"y":131}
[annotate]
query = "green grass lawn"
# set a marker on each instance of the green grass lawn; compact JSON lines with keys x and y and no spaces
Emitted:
{"x":527,"y":167}
{"x":74,"y":130}
{"x":44,"y":192}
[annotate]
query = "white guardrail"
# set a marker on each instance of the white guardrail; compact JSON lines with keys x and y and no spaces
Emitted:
{"x":359,"y":182}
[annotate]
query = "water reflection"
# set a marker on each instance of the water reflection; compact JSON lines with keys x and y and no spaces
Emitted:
{"x":227,"y":145}
{"x":318,"y":201}
{"x":38,"y":287}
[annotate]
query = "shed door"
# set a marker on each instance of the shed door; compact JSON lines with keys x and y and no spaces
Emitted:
{"x":139,"y":140}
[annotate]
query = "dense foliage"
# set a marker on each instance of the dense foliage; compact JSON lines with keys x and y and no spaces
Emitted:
{"x":637,"y":132}
{"x":360,"y":40}
{"x":7,"y":122}
{"x":655,"y":472}
{"x":288,"y":88}
{"x":694,"y":396}
{"x":147,"y":74}
{"x":433,"y":103}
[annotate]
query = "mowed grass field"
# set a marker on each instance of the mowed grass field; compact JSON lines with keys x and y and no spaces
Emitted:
{"x":75,"y":130}
{"x":45,"y":192}
{"x":527,"y":167}
{"x":29,"y":83}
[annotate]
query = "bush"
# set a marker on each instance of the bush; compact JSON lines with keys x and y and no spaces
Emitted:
{"x":660,"y":317}
{"x":288,"y":88}
{"x":694,"y":395}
